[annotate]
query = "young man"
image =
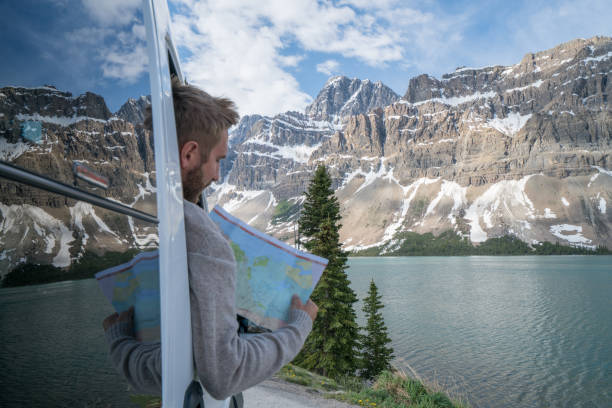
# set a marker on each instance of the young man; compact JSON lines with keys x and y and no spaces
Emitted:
{"x":225,"y":363}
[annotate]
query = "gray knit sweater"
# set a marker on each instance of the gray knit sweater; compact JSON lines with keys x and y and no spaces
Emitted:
{"x":225,"y":363}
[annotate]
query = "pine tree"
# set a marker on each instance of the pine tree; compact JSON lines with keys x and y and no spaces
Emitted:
{"x":375,"y":355}
{"x":331,"y":346}
{"x":320,"y":205}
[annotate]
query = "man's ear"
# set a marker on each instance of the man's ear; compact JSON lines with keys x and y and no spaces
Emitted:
{"x":190,"y":155}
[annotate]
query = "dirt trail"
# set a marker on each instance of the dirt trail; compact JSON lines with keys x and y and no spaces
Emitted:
{"x":275,"y":393}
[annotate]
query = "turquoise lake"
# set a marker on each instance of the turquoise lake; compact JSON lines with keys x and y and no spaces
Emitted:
{"x":496,"y":331}
{"x":500,"y":331}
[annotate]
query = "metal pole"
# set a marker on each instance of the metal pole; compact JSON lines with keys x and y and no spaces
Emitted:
{"x":20,"y":175}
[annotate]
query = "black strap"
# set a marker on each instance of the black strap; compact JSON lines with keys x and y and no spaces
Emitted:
{"x":237,"y":401}
{"x":194,"y":397}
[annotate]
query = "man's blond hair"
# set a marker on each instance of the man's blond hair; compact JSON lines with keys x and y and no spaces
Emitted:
{"x":199,"y":117}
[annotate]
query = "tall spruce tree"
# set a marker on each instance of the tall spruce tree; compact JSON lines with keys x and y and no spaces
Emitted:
{"x":320,"y":205}
{"x":331,"y":347}
{"x":375,"y":355}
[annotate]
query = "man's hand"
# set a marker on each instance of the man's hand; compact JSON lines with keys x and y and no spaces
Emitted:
{"x":310,"y":307}
{"x":125,"y":316}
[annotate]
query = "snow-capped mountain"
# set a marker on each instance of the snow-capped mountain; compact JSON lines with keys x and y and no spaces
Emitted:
{"x":523,"y":150}
{"x":40,"y":227}
{"x":342,"y":97}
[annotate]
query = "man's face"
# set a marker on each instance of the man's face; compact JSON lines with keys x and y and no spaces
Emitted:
{"x":204,"y":173}
{"x":210,"y":169}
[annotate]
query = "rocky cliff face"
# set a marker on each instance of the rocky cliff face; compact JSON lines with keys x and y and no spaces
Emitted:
{"x":39,"y":227}
{"x":133,"y":111}
{"x":342,"y":97}
{"x":523,"y":150}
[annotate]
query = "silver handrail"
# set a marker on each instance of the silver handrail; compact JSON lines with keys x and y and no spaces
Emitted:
{"x":20,"y":175}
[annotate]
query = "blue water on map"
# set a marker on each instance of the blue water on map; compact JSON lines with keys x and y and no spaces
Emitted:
{"x":268,"y":271}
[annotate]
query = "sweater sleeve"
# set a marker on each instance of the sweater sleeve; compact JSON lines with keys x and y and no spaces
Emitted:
{"x":226,"y":363}
{"x":140,"y":363}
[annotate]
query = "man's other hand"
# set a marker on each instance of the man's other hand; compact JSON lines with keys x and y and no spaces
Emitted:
{"x":310,"y":307}
{"x":125,"y":316}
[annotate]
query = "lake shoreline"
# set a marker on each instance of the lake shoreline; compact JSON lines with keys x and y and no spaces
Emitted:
{"x":37,"y":274}
{"x":449,"y":243}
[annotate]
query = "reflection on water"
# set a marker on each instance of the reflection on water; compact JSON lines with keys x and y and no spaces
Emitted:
{"x":500,"y":331}
{"x":53,"y":350}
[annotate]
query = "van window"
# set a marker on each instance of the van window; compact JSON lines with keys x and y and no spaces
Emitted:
{"x":74,"y":89}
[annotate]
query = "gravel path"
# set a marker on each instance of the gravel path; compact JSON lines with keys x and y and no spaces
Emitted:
{"x":275,"y":393}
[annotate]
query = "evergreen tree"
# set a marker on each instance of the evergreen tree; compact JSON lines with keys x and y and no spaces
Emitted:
{"x":320,"y":205}
{"x":375,"y":354}
{"x":330,"y":347}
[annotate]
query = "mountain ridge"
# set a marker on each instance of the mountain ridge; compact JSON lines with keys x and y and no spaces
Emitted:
{"x":545,"y":117}
{"x":522,"y":150}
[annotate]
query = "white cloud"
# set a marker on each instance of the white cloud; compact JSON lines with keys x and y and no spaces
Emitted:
{"x":125,"y":65}
{"x":112,"y":12}
{"x":116,"y":38}
{"x":253,"y":51}
{"x":369,"y":4}
{"x":328,"y":67}
{"x":242,"y":49}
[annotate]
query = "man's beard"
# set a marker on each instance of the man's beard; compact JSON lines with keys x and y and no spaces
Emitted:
{"x":193,"y":185}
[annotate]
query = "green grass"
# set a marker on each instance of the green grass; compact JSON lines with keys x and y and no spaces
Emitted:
{"x":395,"y":390}
{"x":146,"y":401}
{"x":283,"y":211}
{"x":297,"y":375}
{"x":390,"y":390}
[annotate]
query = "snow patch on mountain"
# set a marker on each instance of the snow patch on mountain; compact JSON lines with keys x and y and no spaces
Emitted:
{"x":81,"y":210}
{"x":508,"y":196}
{"x":602,"y":204}
{"x":371,"y":176}
{"x":535,"y":84}
{"x":598,"y":59}
{"x":240,"y":197}
{"x":57,"y":120}
{"x":596,"y":175}
{"x":575,"y":238}
{"x":400,"y":217}
{"x":458,"y":100}
{"x":11,"y":151}
{"x":456,"y":193}
{"x":297,"y":153}
{"x":511,"y":124}
{"x":57,"y":229}
{"x":271,"y":203}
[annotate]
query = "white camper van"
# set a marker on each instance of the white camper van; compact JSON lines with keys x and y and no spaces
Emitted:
{"x":81,"y":182}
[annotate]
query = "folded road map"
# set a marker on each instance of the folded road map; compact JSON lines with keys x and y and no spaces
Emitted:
{"x":136,"y":283}
{"x":269,"y":272}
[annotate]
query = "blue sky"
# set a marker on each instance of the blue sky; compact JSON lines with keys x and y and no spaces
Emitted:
{"x":275,"y":55}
